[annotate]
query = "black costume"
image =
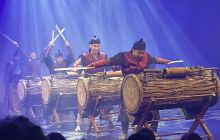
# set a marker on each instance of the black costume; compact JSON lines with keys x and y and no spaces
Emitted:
{"x":51,"y":64}
{"x":14,"y":71}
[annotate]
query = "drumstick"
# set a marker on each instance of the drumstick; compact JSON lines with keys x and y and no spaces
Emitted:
{"x":52,"y":36}
{"x":57,"y":36}
{"x":7,"y":37}
{"x":72,"y":73}
{"x":114,"y":74}
{"x":76,"y":68}
{"x":58,"y":29}
{"x":177,"y":61}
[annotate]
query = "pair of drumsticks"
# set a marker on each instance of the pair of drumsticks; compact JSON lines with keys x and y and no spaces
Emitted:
{"x":60,"y":33}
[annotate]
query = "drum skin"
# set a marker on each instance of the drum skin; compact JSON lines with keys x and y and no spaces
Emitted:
{"x":28,"y":87}
{"x":46,"y":90}
{"x":82,"y":93}
{"x":22,"y":89}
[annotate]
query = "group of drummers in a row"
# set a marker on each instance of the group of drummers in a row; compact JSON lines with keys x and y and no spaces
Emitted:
{"x":130,"y":62}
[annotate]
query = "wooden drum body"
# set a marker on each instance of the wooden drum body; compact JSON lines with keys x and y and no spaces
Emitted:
{"x":106,"y":90}
{"x":31,"y":87}
{"x":184,"y":88}
{"x":59,"y":84}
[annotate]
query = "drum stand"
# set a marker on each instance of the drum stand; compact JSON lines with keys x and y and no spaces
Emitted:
{"x":198,"y":119}
{"x":92,"y":121}
{"x":56,"y":107}
{"x":30,"y":108}
{"x":55,"y":114}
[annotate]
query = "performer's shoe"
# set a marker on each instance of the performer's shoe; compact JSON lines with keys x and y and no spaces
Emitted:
{"x":123,"y":136}
{"x":77,"y":129}
{"x":157,"y":136}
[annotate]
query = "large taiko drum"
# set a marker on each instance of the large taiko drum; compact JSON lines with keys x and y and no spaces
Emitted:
{"x":108,"y":90}
{"x":58,"y":84}
{"x":29,"y":87}
{"x":170,"y":88}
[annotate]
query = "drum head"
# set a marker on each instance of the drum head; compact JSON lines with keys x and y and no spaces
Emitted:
{"x":132,"y":91}
{"x":82,"y":93}
{"x":46,"y":90}
{"x":22,"y":89}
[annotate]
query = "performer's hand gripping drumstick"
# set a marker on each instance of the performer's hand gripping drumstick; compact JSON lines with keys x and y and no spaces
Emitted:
{"x":51,"y":43}
{"x":67,"y":43}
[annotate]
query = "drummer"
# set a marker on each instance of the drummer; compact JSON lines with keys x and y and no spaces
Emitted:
{"x":14,"y":71}
{"x":132,"y":62}
{"x":59,"y":62}
{"x":34,"y":65}
{"x":94,"y":54}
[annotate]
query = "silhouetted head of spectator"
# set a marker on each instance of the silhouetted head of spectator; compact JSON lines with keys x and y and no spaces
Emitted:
{"x":10,"y":130}
{"x":55,"y":136}
{"x":143,"y":134}
{"x":139,"y":137}
{"x":33,"y":131}
{"x":191,"y":136}
{"x":147,"y":132}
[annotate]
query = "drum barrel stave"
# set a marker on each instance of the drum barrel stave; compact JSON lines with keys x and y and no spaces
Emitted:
{"x":108,"y":91}
{"x":58,"y":84}
{"x":63,"y":86}
{"x":194,"y":89}
{"x":34,"y":85}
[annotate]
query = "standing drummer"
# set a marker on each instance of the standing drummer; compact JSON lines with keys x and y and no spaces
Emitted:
{"x":58,"y":62}
{"x":132,"y":62}
{"x":14,"y":71}
{"x":94,"y":55}
{"x":33,"y":72}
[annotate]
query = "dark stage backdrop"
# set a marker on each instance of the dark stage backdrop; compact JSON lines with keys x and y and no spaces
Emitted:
{"x":174,"y":29}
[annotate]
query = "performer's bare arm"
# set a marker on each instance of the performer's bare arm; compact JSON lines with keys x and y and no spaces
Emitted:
{"x":77,"y":62}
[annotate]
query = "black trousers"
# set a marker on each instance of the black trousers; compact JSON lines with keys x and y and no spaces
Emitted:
{"x":123,"y":117}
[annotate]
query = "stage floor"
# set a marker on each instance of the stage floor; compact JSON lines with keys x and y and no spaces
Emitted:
{"x":212,"y":120}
